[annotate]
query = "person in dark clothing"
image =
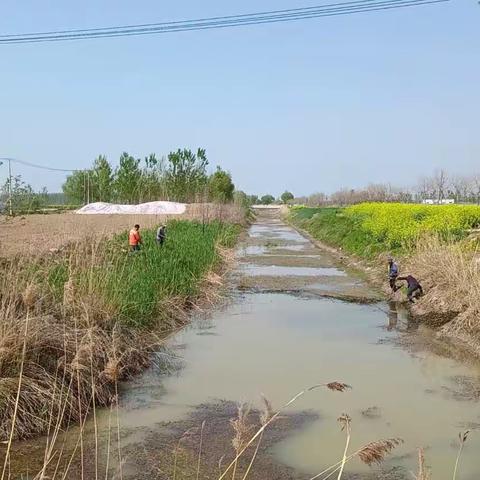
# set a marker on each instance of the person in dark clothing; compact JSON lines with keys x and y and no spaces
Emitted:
{"x":414,"y":289}
{"x":392,"y":274}
{"x":161,"y":234}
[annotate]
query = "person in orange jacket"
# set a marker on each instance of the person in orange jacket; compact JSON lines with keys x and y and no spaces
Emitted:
{"x":134,"y":238}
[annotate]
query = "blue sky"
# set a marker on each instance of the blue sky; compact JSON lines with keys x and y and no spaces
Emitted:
{"x":306,"y":106}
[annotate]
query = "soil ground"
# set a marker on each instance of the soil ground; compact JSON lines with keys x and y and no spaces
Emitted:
{"x":36,"y":234}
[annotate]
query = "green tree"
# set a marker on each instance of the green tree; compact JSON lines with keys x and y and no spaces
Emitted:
{"x":220,"y":186}
{"x":75,"y":186}
{"x":101,"y":179}
{"x":152,"y":183}
{"x":90,"y":185}
{"x":23,"y":198}
{"x":286,"y":196}
{"x":127,"y":179}
{"x":267,"y":199}
{"x":186,"y":174}
{"x":253,"y":199}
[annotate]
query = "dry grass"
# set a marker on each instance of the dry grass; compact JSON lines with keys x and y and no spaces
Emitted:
{"x":462,"y":437}
{"x":450,"y":275}
{"x":242,"y":426}
{"x":76,"y":345}
{"x":375,"y":452}
{"x":423,"y":473}
{"x":69,"y":360}
{"x":37,"y":233}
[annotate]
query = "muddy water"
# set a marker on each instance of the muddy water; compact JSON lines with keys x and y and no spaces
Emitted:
{"x":281,"y":332}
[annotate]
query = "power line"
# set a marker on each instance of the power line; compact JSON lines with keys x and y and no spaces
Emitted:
{"x":87,"y":184}
{"x":221,"y":22}
{"x":273,"y":16}
{"x":34,"y":165}
{"x":284,"y":11}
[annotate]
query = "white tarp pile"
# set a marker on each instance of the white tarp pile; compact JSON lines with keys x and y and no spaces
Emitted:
{"x":150,"y":208}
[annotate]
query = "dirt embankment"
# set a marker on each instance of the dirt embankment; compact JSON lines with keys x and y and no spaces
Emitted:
{"x":37,"y":233}
{"x":450,"y":276}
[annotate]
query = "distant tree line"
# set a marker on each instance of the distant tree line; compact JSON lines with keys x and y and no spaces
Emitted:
{"x":182,"y":176}
{"x":23,"y":199}
{"x":267,"y":199}
{"x":437,"y":187}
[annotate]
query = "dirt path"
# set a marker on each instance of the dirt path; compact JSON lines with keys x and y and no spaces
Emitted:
{"x":276,"y":258}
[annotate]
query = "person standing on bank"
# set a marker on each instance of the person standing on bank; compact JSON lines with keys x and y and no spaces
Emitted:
{"x":161,"y":234}
{"x":134,"y":238}
{"x":392,"y":274}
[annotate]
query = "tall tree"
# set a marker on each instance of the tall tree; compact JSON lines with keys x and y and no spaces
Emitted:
{"x":267,"y":199}
{"x":286,"y":197}
{"x":440,"y":182}
{"x":475,"y":187}
{"x":101,"y":180}
{"x":220,"y":186}
{"x":75,"y":186}
{"x":127,"y":179}
{"x":186,"y":174}
{"x":152,"y":183}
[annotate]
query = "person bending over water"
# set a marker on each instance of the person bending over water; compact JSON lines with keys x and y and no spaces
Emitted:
{"x":414,"y":289}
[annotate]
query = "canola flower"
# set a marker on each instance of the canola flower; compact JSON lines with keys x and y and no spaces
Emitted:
{"x":400,"y":224}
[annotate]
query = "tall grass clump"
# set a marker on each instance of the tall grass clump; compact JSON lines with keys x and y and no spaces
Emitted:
{"x":140,"y":286}
{"x":69,"y":320}
{"x":450,"y":273}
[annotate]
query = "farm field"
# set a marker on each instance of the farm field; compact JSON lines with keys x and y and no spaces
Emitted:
{"x":368,"y":229}
{"x":34,"y":234}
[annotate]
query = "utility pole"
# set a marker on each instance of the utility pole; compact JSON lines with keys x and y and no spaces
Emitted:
{"x":10,"y":186}
{"x":88,"y":186}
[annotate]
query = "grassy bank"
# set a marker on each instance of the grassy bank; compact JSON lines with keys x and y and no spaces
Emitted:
{"x":75,"y":322}
{"x":433,"y":243}
{"x":372,"y":228}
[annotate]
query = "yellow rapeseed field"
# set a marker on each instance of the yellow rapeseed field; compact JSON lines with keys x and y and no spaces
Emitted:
{"x":396,"y":224}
